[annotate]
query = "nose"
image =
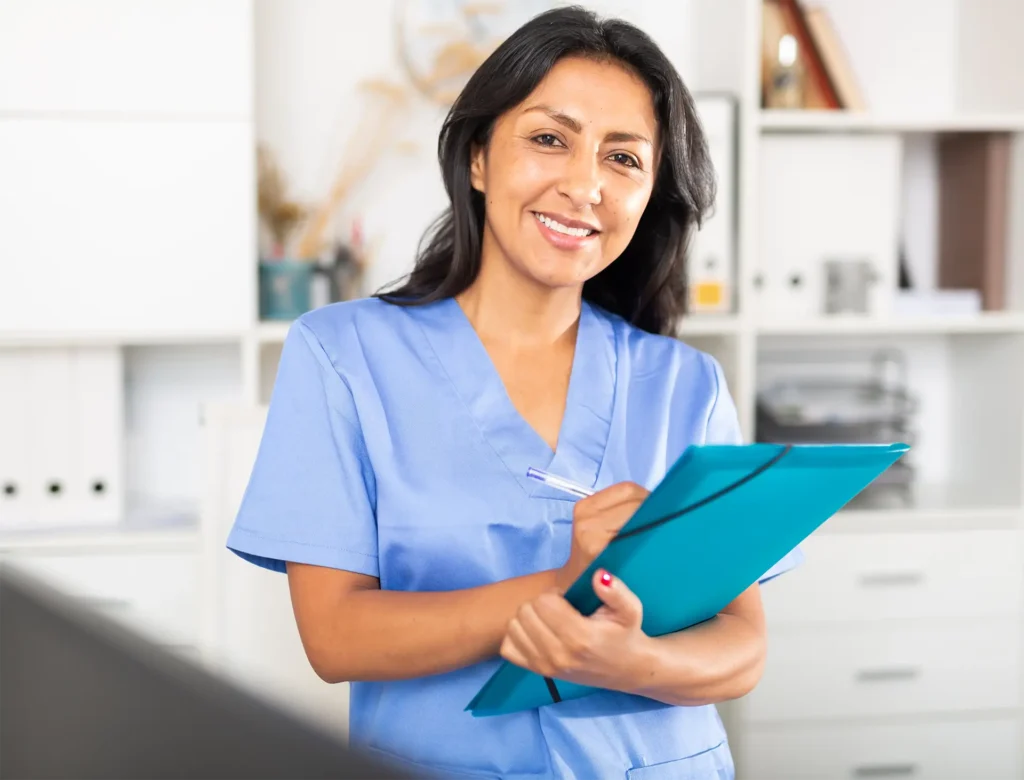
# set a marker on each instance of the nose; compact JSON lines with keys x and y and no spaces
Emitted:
{"x":581,"y":183}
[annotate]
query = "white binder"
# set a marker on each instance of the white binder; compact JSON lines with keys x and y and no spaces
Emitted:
{"x":72,"y":433}
{"x":16,"y":478}
{"x":711,"y":270}
{"x":98,"y":488}
{"x":830,"y":197}
{"x":51,"y":452}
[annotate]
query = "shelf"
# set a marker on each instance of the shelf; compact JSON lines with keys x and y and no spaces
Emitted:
{"x":133,"y":338}
{"x":853,"y":325}
{"x":807,"y":121}
{"x":709,"y":325}
{"x":272,"y":332}
{"x":935,"y":507}
{"x":144,"y":528}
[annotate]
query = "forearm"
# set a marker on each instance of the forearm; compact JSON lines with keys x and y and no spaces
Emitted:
{"x":387,"y":635}
{"x":714,"y":661}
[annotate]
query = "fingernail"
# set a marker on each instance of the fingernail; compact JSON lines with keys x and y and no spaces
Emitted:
{"x":606,"y":579}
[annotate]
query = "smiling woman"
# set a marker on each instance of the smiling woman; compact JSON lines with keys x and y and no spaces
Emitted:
{"x":391,"y":483}
{"x":576,"y":124}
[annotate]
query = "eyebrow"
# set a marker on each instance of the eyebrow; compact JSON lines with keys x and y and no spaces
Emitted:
{"x":574,"y":124}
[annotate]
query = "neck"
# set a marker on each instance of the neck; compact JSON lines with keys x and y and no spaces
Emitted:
{"x":507,"y":307}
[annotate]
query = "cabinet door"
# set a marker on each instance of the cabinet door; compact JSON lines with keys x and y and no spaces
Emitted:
{"x":126,"y":57}
{"x":899,"y":576}
{"x":889,"y":669}
{"x":910,"y":750}
{"x":251,"y":634}
{"x":153,"y":592}
{"x":126,"y":226}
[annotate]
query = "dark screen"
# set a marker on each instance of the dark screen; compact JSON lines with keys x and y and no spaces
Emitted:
{"x":80,"y":697}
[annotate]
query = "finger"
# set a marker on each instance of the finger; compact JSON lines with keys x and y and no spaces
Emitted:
{"x":615,"y":494}
{"x":562,"y":619}
{"x":540,"y":631}
{"x":609,"y":522}
{"x":515,"y":652}
{"x":620,"y":603}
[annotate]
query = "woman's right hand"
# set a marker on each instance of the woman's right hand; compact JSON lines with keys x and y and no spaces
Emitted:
{"x":595,"y":522}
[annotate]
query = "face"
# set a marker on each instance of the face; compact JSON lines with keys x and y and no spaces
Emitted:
{"x":568,"y":172}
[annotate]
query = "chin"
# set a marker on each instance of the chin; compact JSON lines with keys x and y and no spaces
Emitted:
{"x":560,"y":275}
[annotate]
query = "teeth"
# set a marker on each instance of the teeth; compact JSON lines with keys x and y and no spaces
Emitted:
{"x":558,"y":227}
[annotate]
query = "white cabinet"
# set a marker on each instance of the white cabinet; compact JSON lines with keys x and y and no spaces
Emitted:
{"x":128,"y":156}
{"x":876,"y":671}
{"x":124,"y":57}
{"x":948,"y":750}
{"x":891,"y":654}
{"x":900,"y":576}
{"x":126,"y":226}
{"x":153,"y":592}
{"x":251,"y":634}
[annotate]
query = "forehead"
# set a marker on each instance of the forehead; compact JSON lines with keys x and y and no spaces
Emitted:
{"x":603,"y":95}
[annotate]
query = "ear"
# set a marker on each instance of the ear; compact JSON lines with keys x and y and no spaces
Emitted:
{"x":477,"y":167}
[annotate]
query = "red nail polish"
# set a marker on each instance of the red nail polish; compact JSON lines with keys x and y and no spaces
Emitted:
{"x":606,"y":579}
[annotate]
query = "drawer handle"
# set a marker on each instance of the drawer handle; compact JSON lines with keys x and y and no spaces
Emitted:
{"x":888,"y":674}
{"x":885,"y":770}
{"x":892,"y":579}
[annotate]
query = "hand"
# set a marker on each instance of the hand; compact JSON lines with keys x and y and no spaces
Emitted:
{"x":608,"y":649}
{"x":595,"y":521}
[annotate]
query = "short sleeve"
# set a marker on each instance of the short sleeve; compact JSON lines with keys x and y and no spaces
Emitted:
{"x":311,"y":493}
{"x":724,"y":428}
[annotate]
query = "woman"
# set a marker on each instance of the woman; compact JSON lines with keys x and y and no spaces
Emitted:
{"x":391,"y":480}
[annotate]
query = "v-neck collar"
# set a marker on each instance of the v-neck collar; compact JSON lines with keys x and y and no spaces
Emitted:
{"x":586,"y":422}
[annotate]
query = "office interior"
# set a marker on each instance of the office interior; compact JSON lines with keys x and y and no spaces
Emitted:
{"x":180,"y":179}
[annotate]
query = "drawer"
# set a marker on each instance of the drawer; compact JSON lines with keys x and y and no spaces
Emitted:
{"x":956,"y":666}
{"x":893,"y":576}
{"x":967,"y":750}
{"x":154,"y":592}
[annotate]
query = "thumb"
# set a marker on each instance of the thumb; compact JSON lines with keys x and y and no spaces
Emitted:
{"x":620,"y":603}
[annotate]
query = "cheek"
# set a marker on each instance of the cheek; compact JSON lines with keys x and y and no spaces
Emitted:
{"x":627,"y":208}
{"x":516,"y":179}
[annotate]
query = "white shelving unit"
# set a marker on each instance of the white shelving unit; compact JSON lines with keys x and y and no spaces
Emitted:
{"x":968,"y":370}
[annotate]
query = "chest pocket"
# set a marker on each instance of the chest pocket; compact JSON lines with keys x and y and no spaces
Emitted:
{"x":713,"y":764}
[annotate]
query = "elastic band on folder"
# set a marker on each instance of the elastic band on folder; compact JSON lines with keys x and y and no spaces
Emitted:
{"x":708,"y":499}
{"x":553,"y":690}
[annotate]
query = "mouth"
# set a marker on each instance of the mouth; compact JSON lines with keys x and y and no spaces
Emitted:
{"x":570,"y":228}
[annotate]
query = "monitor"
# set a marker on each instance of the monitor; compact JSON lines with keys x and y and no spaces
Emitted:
{"x":82,"y":696}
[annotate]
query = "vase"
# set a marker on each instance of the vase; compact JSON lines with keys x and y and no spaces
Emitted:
{"x":285,"y":288}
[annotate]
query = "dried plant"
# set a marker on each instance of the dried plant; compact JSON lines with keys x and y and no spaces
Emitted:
{"x":373,"y":136}
{"x":279,"y":214}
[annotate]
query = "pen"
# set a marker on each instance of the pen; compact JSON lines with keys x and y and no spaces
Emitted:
{"x":559,"y":483}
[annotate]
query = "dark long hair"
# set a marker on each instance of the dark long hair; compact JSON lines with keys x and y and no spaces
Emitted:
{"x":646,"y":285}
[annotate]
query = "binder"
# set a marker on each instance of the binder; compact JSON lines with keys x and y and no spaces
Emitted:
{"x":711,"y":267}
{"x":722,"y":516}
{"x":97,"y":493}
{"x":811,"y":211}
{"x":52,"y":446}
{"x":16,"y":431}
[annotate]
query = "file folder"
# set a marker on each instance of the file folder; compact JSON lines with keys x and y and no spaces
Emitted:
{"x":722,"y":517}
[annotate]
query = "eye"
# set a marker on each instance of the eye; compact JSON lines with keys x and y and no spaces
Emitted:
{"x":546,"y":139}
{"x":625,"y":159}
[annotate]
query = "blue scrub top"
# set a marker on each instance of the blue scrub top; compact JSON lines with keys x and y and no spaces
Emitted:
{"x":392,"y":449}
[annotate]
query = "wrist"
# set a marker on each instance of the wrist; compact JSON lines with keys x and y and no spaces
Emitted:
{"x":559,"y":581}
{"x":645,"y":666}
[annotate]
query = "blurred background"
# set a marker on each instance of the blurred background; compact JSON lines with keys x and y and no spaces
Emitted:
{"x":180,"y":179}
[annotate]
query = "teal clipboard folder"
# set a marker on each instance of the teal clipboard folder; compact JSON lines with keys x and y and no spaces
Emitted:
{"x":723,"y":516}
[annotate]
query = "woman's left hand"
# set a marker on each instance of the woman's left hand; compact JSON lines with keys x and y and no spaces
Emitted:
{"x":548,"y":636}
